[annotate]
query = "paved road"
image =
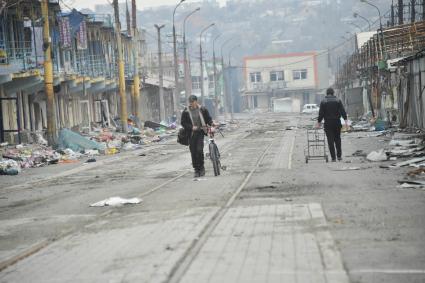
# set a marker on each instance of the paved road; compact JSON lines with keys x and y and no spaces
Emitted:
{"x":269,"y":218}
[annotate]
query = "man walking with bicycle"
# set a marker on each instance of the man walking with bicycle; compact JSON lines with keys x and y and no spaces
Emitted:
{"x":194,"y":120}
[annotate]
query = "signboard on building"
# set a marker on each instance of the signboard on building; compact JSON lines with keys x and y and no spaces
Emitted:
{"x":65,"y":32}
{"x":82,"y":36}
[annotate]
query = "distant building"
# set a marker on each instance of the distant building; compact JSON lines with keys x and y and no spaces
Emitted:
{"x":302,"y":77}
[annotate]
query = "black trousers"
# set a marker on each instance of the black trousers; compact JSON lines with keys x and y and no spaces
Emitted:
{"x":333,"y":134}
{"x":196,"y":146}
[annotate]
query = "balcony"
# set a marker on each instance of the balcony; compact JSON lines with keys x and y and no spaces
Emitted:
{"x":268,"y":86}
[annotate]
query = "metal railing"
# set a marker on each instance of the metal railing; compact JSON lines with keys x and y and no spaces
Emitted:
{"x":23,"y":57}
{"x":95,"y":66}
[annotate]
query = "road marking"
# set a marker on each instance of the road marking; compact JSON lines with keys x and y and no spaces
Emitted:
{"x":291,"y":152}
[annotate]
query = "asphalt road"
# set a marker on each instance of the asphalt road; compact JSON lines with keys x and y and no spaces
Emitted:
{"x":270,"y":217}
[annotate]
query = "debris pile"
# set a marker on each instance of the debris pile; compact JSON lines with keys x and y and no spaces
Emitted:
{"x":75,"y":145}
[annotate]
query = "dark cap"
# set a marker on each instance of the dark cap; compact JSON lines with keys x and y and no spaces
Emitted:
{"x":330,"y":91}
{"x":193,"y":98}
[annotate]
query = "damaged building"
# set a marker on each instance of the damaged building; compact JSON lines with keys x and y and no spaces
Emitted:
{"x":85,"y":72}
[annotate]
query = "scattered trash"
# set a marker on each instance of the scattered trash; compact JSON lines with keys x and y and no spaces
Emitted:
{"x":411,"y":186}
{"x":9,"y":167}
{"x":376,"y":156}
{"x":288,"y":199}
{"x":199,"y":179}
{"x":409,"y":162}
{"x":142,"y":154}
{"x":349,"y":168}
{"x":359,"y":153}
{"x":116,"y":201}
{"x":76,"y":142}
{"x":402,"y":142}
{"x":416,"y":172}
{"x":91,"y":160}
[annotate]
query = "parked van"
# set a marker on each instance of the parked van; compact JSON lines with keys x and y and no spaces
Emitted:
{"x":310,"y":108}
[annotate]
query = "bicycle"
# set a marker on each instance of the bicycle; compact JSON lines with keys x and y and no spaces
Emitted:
{"x":214,"y":153}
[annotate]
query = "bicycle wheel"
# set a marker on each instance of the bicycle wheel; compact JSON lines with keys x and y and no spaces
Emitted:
{"x":214,"y":156}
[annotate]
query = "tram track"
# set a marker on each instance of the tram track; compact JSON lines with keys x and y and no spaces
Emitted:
{"x":184,"y":263}
{"x":42,"y":244}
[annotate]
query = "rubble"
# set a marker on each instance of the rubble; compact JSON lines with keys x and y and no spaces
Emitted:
{"x":376,"y":156}
{"x":78,"y":144}
{"x":116,"y":201}
{"x":9,"y":167}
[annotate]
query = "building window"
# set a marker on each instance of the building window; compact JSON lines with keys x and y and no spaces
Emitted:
{"x":211,"y":84}
{"x":299,"y":74}
{"x":196,"y":82}
{"x":255,"y":77}
{"x":276,"y":76}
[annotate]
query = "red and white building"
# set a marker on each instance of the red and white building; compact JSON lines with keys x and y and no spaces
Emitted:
{"x":285,"y":82}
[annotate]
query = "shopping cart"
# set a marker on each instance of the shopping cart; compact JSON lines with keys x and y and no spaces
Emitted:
{"x":316,"y":145}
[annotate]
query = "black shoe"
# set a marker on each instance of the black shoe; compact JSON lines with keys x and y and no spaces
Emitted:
{"x":202,"y":172}
{"x":333,"y":160}
{"x":339,"y":158}
{"x":197,"y":174}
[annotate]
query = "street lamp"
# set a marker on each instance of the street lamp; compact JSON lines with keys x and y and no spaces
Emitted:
{"x":215,"y":76}
{"x":176,"y":95}
{"x":379,"y":11}
{"x":202,"y":69}
{"x":356,"y":25}
{"x":231,"y":81}
{"x":355,"y":15}
{"x":160,"y":75}
{"x":187,"y":78}
{"x":224,"y":77}
{"x":230,"y":52}
{"x":380,"y":23}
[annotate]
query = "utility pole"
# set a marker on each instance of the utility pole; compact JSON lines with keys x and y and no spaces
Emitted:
{"x":48,"y":74}
{"x":160,"y":75}
{"x":127,"y":19}
{"x":120,"y":64}
{"x":136,"y":49}
{"x":201,"y":63}
{"x":215,"y":78}
{"x":231,"y":81}
{"x":176,"y":93}
{"x":400,"y":12}
{"x":223,"y":70}
{"x":413,"y":11}
{"x":187,"y":73}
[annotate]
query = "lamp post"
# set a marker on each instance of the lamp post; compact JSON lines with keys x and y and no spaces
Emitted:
{"x":160,"y":75}
{"x":176,"y":96}
{"x":355,"y":15}
{"x":230,"y":79}
{"x":380,"y":24}
{"x":224,"y":78}
{"x":215,"y":77}
{"x":356,"y":25}
{"x":201,"y":63}
{"x":187,"y":75}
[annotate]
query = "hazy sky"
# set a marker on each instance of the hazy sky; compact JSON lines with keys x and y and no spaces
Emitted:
{"x":141,"y":4}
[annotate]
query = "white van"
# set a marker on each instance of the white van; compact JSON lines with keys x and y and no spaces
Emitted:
{"x":310,"y":108}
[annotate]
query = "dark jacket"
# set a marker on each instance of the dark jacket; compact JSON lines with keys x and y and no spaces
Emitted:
{"x":186,"y":122}
{"x":331,"y":109}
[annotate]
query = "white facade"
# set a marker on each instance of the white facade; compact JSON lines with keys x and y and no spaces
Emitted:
{"x":299,"y":76}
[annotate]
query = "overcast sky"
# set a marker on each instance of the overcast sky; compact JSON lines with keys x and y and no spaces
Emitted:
{"x":141,"y":4}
